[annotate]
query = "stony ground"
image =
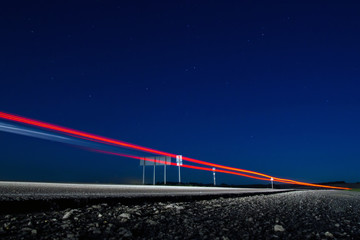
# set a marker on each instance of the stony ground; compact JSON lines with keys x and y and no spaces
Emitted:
{"x":293,"y":215}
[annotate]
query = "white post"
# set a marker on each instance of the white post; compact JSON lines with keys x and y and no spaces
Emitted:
{"x":272,"y":183}
{"x":214,"y":176}
{"x":179,"y":163}
{"x":165,"y":174}
{"x":154,"y":174}
{"x":144,"y":173}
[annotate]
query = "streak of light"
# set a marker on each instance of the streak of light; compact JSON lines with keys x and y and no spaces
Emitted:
{"x":20,"y":130}
{"x":97,"y":138}
{"x":216,"y":170}
{"x":92,"y":137}
{"x":31,"y":133}
{"x":174,"y":164}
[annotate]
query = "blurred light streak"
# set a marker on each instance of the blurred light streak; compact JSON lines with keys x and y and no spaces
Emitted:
{"x":100,"y":139}
{"x":217,"y":170}
{"x":31,"y":133}
{"x":174,"y":164}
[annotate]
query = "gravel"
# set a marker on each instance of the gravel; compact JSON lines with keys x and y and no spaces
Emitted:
{"x":316,"y":214}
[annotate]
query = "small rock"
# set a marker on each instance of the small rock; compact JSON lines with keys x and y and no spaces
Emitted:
{"x":26,"y":229}
{"x":125,"y":215}
{"x":70,"y":235}
{"x":278,"y":228}
{"x":337,"y":225}
{"x":174,"y":206}
{"x":99,"y":216}
{"x":125,"y":232}
{"x":169,"y":206}
{"x":67,"y":214}
{"x":151,"y":222}
{"x":179,"y":207}
{"x":329,"y":234}
{"x":33,"y":232}
{"x":64,"y":226}
{"x":339,"y":234}
{"x":95,"y":230}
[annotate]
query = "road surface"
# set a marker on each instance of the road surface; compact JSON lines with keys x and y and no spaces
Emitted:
{"x":37,"y":191}
{"x":311,"y":214}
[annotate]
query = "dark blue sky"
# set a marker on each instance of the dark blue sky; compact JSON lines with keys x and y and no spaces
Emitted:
{"x":269,"y":86}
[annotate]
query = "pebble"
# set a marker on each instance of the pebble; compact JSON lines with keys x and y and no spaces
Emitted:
{"x":125,"y":215}
{"x":70,"y":235}
{"x":124,"y":232}
{"x":26,"y":229}
{"x":67,"y":214}
{"x":279,"y":228}
{"x":151,"y":222}
{"x":329,"y":234}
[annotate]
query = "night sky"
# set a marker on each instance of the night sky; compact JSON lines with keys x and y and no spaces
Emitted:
{"x":269,"y":86}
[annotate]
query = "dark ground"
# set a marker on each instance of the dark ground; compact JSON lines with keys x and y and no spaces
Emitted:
{"x":315,"y":214}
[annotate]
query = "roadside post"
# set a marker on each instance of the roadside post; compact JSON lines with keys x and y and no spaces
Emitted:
{"x":154,"y":171}
{"x":143,"y":164}
{"x":164,"y":174}
{"x":179,"y":163}
{"x":272,"y":183}
{"x":214,"y":176}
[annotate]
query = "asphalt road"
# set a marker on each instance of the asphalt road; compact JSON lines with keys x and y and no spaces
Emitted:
{"x":311,"y":214}
{"x":38,"y":191}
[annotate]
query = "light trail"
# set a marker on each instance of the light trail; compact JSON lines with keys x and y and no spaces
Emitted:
{"x":31,"y":133}
{"x":288,"y":181}
{"x":93,"y":137}
{"x":97,"y":138}
{"x":34,"y":133}
{"x":174,"y":164}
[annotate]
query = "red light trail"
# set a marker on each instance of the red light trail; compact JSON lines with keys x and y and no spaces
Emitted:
{"x":105,"y":140}
{"x":217,"y":170}
{"x":97,"y":138}
{"x":174,"y":164}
